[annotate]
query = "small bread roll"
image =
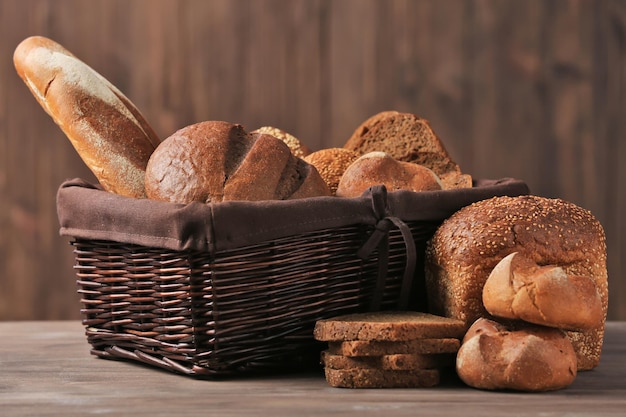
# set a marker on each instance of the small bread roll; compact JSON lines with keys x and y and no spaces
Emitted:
{"x":217,"y":161}
{"x":518,"y":288}
{"x":376,"y":168}
{"x":331,"y":163}
{"x":527,"y":358}
{"x":296,"y":146}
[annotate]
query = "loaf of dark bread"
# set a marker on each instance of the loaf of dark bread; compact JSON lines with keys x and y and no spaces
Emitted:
{"x":469,"y":244}
{"x":217,"y":161}
{"x":105,"y":128}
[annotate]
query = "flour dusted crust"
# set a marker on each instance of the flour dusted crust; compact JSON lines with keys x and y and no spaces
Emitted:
{"x":105,"y":128}
{"x":375,"y":168}
{"x":524,"y":357}
{"x":469,"y":244}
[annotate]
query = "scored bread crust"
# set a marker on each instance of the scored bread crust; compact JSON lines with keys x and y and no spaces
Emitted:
{"x":469,"y":244}
{"x":376,"y":168}
{"x":216,"y":161}
{"x":522,"y":357}
{"x":106,"y":129}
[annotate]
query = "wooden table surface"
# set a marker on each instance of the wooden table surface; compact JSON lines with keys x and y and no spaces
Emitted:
{"x":46,"y":370}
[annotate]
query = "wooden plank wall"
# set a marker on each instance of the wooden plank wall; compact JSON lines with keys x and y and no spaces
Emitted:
{"x":527,"y":89}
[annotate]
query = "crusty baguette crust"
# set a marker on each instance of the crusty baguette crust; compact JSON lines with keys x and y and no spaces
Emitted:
{"x":106,"y":129}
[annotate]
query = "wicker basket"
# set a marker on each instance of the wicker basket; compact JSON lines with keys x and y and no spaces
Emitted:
{"x":233,"y":288}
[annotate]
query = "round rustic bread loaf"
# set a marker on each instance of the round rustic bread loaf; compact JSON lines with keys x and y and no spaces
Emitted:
{"x":468,"y":245}
{"x":522,"y":358}
{"x":376,"y":168}
{"x":217,"y":161}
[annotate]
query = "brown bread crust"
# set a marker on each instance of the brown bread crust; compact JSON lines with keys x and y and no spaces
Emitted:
{"x":390,"y":326}
{"x":525,"y":358}
{"x":469,"y":244}
{"x":377,"y":168}
{"x":217,"y":161}
{"x":377,"y":378}
{"x":105,"y":128}
{"x":519,"y":289}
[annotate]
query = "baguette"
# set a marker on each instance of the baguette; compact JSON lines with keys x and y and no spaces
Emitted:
{"x":109,"y":133}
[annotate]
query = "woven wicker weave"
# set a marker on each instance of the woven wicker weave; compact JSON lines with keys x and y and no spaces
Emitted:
{"x":243,"y":309}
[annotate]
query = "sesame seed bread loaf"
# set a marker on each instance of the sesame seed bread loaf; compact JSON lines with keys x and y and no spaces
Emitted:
{"x":217,"y":161}
{"x":469,"y":244}
{"x":105,"y":128}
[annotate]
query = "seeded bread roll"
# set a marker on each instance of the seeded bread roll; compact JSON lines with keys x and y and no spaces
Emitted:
{"x":331,"y":163}
{"x":217,"y":161}
{"x":469,"y":244}
{"x":524,"y":358}
{"x":298,"y":148}
{"x":377,"y":168}
{"x":105,"y":128}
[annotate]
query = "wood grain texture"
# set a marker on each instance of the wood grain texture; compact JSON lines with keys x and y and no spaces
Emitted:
{"x":47,"y":371}
{"x":532,"y":90}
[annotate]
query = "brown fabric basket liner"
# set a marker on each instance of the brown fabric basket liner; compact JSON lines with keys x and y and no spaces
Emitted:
{"x":236,"y":287}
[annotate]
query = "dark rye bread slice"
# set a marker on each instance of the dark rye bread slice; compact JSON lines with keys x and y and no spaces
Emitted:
{"x":388,"y":326}
{"x":404,"y":136}
{"x":378,"y":378}
{"x":394,"y":362}
{"x":354,"y":348}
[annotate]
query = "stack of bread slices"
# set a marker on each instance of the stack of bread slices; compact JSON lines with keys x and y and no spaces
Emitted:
{"x":400,"y":349}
